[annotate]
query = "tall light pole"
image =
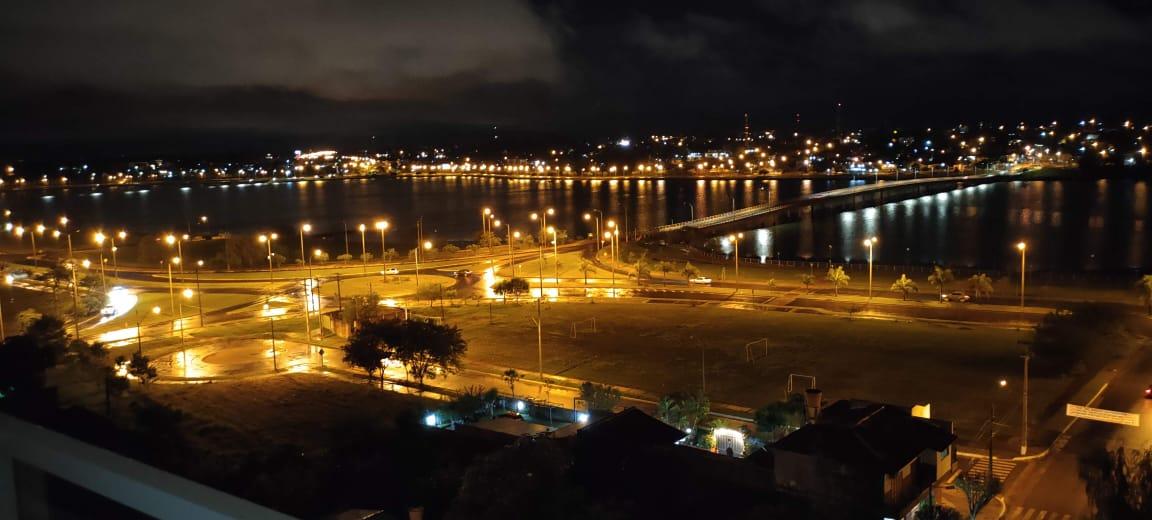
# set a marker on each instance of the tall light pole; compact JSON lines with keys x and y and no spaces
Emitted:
{"x":305,"y":228}
{"x":178,"y":241}
{"x":588,"y":216}
{"x":555,"y":258}
{"x":610,"y":237}
{"x":1023,"y":248}
{"x":39,"y":228}
{"x":511,"y":259}
{"x":543,"y":217}
{"x":267,"y":240}
{"x":485,"y":217}
{"x":199,"y":293}
{"x":364,"y":248}
{"x":871,"y":245}
{"x":99,"y":239}
{"x":115,"y":266}
{"x":382,"y":226}
{"x":735,"y":239}
{"x":64,"y":226}
{"x":612,"y":247}
{"x":171,"y":287}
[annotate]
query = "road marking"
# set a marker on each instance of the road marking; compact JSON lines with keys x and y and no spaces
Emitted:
{"x":1019,"y":513}
{"x":1000,"y":468}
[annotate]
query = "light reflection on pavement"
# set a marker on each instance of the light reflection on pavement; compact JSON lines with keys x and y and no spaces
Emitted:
{"x":235,"y":358}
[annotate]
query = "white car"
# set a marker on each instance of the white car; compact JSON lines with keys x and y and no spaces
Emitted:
{"x":108,"y":311}
{"x":702,"y":280}
{"x":390,"y":270}
{"x":955,"y":296}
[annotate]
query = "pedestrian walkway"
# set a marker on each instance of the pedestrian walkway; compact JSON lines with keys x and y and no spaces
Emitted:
{"x":1001,"y":469}
{"x":1031,"y":513}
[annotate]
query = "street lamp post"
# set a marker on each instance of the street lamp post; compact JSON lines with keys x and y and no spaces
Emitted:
{"x":611,"y":224}
{"x":382,"y":226}
{"x":363,"y":248}
{"x":543,"y":217}
{"x":172,"y":239}
{"x":99,"y":239}
{"x":1023,"y":248}
{"x":199,"y":293}
{"x":735,"y":239}
{"x":267,"y":240}
{"x":305,"y":228}
{"x":555,"y":258}
{"x":612,"y":253}
{"x":511,"y":251}
{"x":115,"y":266}
{"x":871,"y":245}
{"x":64,"y":226}
{"x":171,"y":287}
{"x":588,"y":216}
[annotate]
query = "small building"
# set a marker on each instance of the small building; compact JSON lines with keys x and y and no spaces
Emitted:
{"x":871,"y":460}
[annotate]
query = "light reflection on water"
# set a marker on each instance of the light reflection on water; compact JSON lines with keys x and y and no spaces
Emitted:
{"x":1069,"y":225}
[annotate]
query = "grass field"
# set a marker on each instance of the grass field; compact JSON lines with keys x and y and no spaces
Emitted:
{"x":300,"y":409}
{"x":660,"y":347}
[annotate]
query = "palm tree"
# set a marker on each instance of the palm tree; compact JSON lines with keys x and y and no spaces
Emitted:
{"x":838,"y":278}
{"x":664,"y":268}
{"x":980,"y":285}
{"x":586,"y":266}
{"x":511,"y":376}
{"x":807,"y":280}
{"x":939,"y":279}
{"x":904,"y":285}
{"x":689,"y":271}
{"x":1144,"y":284}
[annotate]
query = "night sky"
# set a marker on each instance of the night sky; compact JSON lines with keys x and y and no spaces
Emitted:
{"x":117,"y":77}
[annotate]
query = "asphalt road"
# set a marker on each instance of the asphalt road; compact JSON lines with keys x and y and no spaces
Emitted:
{"x":1052,"y":484}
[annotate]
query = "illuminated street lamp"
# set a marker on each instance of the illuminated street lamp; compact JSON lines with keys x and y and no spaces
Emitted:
{"x":735,"y":239}
{"x":382,"y":226}
{"x":171,"y":288}
{"x":267,"y":240}
{"x":871,"y":245}
{"x":427,"y":245}
{"x":599,"y":215}
{"x":555,"y":258}
{"x":364,"y":248}
{"x":511,"y":260}
{"x":178,"y":241}
{"x":1023,"y":248}
{"x":115,"y":266}
{"x":612,"y":251}
{"x":64,"y":226}
{"x":306,"y":228}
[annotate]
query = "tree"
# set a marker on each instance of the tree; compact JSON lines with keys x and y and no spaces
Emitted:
{"x":586,"y":266}
{"x":781,"y":414}
{"x":391,"y":254}
{"x":428,"y":349}
{"x":450,"y":249}
{"x":980,"y":285}
{"x":1144,"y":285}
{"x":940,"y":278}
{"x":140,"y":366}
{"x":977,"y":494}
{"x":600,"y":398}
{"x":473,"y":400}
{"x":48,"y":333}
{"x":685,"y":410}
{"x":689,"y":271}
{"x":114,"y":385}
{"x":430,"y":292}
{"x":642,"y":265}
{"x":513,"y":286}
{"x":937,"y":512}
{"x":243,"y":252}
{"x":26,"y":318}
{"x":530,"y":479}
{"x":370,"y":345}
{"x":904,"y":285}
{"x":664,"y":268}
{"x":838,"y":278}
{"x":488,"y":239}
{"x":1118,"y":483}
{"x":807,"y":280}
{"x":511,"y":376}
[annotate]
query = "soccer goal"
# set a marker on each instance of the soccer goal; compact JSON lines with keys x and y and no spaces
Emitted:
{"x":423,"y":317}
{"x":755,"y":350}
{"x":587,"y":326}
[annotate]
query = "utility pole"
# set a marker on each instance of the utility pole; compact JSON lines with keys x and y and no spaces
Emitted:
{"x":1024,"y":419}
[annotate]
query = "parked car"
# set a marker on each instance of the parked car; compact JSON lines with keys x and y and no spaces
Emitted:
{"x":702,"y":280}
{"x":390,"y":270}
{"x":955,"y":296}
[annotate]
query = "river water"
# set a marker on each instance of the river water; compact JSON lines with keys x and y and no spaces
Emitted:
{"x":1070,"y":225}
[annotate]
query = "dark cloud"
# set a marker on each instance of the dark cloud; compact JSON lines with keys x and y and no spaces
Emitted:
{"x":80,"y":71}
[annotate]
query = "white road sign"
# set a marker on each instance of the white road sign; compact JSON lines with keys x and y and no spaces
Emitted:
{"x":1098,"y":414}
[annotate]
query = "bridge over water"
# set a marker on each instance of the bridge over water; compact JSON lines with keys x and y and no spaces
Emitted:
{"x":843,"y":199}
